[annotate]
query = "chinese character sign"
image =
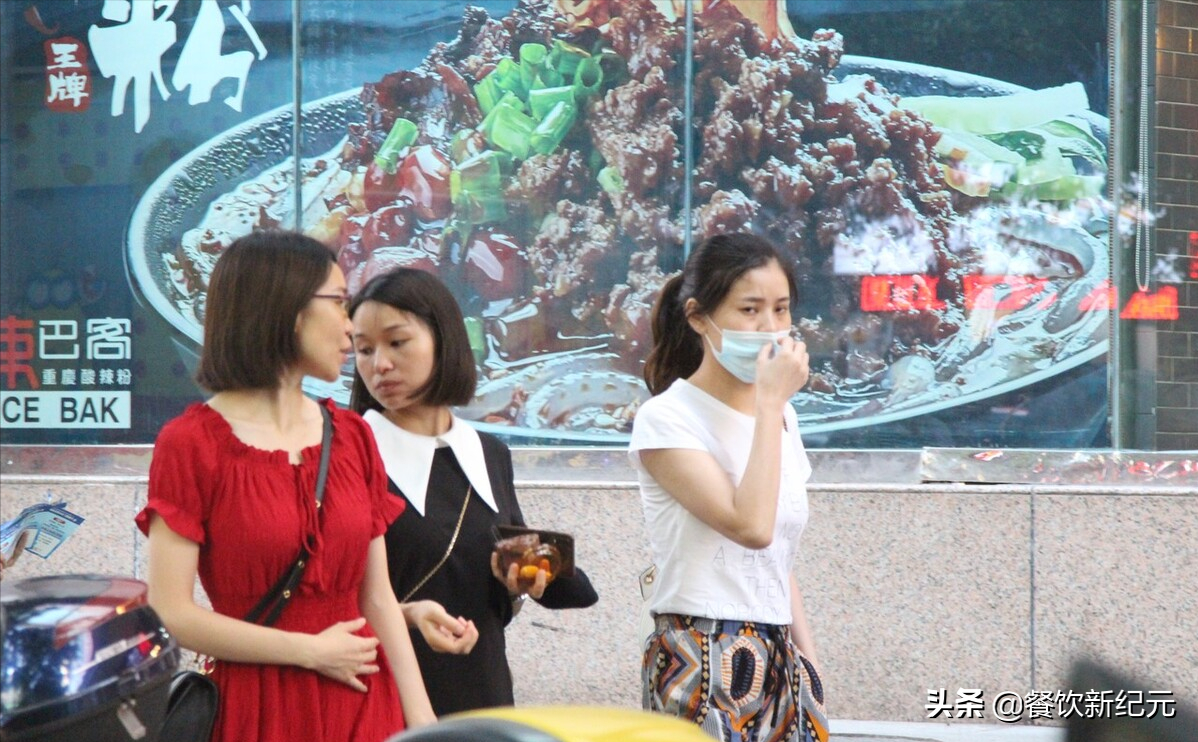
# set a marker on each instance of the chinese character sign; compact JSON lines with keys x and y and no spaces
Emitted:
{"x":55,"y":398}
{"x":101,"y":98}
{"x":130,"y":51}
{"x":68,"y":77}
{"x":202,"y":65}
{"x":16,"y":352}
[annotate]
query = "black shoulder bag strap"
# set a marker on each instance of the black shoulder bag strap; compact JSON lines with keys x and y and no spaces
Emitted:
{"x":276,"y":599}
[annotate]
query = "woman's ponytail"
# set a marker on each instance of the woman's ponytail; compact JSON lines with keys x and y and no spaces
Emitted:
{"x":677,"y":352}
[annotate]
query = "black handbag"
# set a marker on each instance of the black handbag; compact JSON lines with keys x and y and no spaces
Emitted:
{"x":194,"y":700}
{"x":191,"y":709}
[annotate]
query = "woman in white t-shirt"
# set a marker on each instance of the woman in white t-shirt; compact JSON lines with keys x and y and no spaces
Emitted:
{"x":722,"y":474}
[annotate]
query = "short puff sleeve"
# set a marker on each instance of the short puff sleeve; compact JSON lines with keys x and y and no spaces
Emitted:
{"x":662,"y":423}
{"x":181,"y":479}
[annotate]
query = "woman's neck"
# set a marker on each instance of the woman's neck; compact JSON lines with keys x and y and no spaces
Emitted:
{"x":280,"y":419}
{"x":280,"y":408}
{"x":713,"y":379}
{"x":422,"y":419}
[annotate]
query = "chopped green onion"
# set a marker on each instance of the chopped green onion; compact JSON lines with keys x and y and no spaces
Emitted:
{"x":532,"y":61}
{"x":486,"y":169}
{"x":532,"y":54}
{"x":476,"y":187}
{"x":542,"y":101}
{"x":510,"y":131}
{"x":565,"y":57}
{"x":402,"y":134}
{"x":550,"y":78}
{"x":508,"y":77}
{"x":587,"y":78}
{"x":483,"y":207}
{"x":488,"y":93}
{"x":505,"y":162}
{"x":509,"y":101}
{"x":477,"y":336}
{"x":554,"y":127}
{"x":610,"y":180}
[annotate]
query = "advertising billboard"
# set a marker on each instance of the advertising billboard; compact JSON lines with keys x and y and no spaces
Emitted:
{"x":936,"y":169}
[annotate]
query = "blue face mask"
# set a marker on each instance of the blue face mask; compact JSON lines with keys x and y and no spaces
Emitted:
{"x":740,"y":348}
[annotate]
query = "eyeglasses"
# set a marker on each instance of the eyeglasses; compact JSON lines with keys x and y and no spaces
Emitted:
{"x":342,"y":299}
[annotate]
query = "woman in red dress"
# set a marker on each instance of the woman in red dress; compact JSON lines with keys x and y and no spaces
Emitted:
{"x":232,"y":498}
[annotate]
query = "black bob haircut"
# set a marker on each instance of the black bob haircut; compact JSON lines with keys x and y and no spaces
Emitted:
{"x":423,"y":296}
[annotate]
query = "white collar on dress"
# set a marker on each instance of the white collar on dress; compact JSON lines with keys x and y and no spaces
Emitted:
{"x":408,"y":457}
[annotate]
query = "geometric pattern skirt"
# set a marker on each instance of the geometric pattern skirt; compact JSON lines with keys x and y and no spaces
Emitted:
{"x":738,"y":680}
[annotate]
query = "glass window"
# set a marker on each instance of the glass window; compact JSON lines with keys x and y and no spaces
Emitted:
{"x":964,"y":217}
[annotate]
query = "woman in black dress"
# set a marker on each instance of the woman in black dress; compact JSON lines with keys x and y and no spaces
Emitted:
{"x":413,"y":361}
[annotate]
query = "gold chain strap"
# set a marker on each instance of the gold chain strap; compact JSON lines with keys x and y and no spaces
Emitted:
{"x":456,"y":530}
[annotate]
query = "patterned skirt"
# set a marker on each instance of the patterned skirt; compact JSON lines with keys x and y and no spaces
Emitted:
{"x":740,"y":681}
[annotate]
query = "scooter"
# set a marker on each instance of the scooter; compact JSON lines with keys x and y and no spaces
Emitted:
{"x":85,"y":659}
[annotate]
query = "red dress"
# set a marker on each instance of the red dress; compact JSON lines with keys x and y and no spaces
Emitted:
{"x":249,"y":510}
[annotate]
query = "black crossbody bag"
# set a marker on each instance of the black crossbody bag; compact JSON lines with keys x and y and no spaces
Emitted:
{"x":191,"y":710}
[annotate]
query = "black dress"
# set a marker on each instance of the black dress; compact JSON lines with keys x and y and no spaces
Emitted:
{"x":464,"y":585}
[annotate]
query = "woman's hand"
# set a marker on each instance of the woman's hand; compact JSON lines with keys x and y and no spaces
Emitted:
{"x":782,"y":372}
{"x":22,"y":540}
{"x":512,"y":579}
{"x":442,"y":632}
{"x":339,"y":654}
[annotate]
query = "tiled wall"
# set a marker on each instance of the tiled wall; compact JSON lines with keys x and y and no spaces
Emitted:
{"x":1176,"y":241}
{"x":910,"y":588}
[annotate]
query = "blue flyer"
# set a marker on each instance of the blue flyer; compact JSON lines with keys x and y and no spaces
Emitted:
{"x":48,"y":526}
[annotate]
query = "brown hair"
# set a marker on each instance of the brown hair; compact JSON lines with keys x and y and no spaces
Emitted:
{"x":422,"y":295}
{"x":710,"y":271}
{"x":257,"y":289}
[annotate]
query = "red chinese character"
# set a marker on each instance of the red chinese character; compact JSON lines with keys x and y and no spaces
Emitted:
{"x":68,"y":78}
{"x":1194,"y":256}
{"x":1159,"y":306}
{"x":875,"y":294}
{"x":901,"y":293}
{"x":16,"y":347}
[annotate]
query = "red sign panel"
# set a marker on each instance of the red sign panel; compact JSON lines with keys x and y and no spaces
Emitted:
{"x":68,"y":77}
{"x":1194,"y":256}
{"x":904,"y":293}
{"x":1146,"y":305}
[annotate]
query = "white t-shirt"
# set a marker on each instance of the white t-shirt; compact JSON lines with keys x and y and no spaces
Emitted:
{"x":699,"y":571}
